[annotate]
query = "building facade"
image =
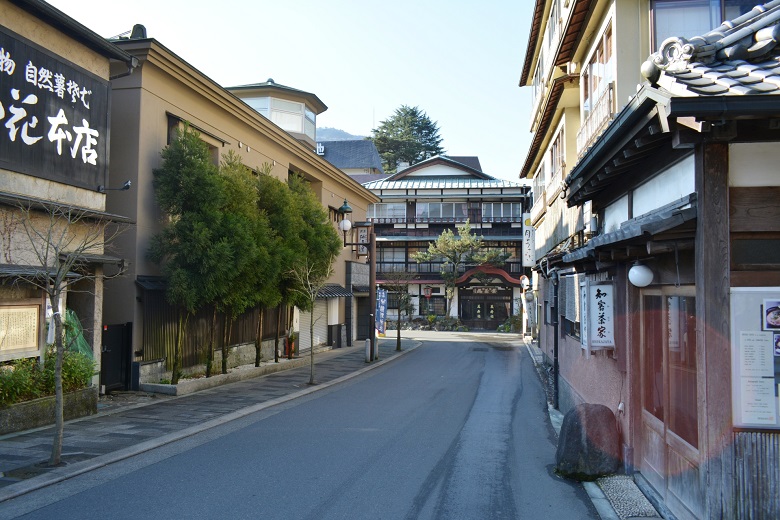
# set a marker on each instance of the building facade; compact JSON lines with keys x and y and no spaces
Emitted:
{"x":55,"y":101}
{"x":162,"y":94}
{"x":417,"y":204}
{"x":656,"y":262}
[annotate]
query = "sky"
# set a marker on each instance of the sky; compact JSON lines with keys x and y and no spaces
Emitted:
{"x":459,"y":61}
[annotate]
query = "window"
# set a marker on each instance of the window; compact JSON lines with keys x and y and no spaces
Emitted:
{"x":687,"y":18}
{"x":492,"y":211}
{"x":442,"y":210}
{"x":390,"y":210}
{"x":557,"y":154}
{"x":598,"y":74}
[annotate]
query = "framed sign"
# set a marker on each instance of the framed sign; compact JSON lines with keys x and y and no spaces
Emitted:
{"x":755,"y":357}
{"x":597,"y":311}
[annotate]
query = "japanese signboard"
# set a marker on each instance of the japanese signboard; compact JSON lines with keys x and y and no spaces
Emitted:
{"x":362,"y":234}
{"x":528,"y":241}
{"x":18,"y":331}
{"x":53,"y":115}
{"x":381,"y":310}
{"x":597,"y":329}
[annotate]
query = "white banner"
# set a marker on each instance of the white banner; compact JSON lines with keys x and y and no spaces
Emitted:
{"x":529,"y":256}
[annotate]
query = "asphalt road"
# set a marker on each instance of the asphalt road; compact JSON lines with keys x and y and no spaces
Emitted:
{"x":452,"y":430}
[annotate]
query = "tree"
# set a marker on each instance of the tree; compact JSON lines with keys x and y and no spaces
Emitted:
{"x":313,"y":264}
{"x":59,"y":241}
{"x":397,"y":282}
{"x":407,"y":136}
{"x":456,"y":252}
{"x":276,"y":201}
{"x":251,"y":240}
{"x":196,"y":257}
{"x":309,"y":279}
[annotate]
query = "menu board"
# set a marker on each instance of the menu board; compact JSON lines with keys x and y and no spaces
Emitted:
{"x":755,"y":357}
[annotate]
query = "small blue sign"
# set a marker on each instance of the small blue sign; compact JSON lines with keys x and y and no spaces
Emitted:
{"x":381,"y":310}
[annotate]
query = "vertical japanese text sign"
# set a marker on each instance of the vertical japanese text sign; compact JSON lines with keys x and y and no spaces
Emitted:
{"x":528,"y":241}
{"x":381,"y":310}
{"x":598,"y":315}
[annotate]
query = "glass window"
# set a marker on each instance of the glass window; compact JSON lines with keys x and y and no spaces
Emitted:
{"x":598,"y":73}
{"x":687,"y":18}
{"x":669,"y":352}
{"x":653,"y":356}
{"x":683,"y":406}
{"x":422,"y":210}
{"x":487,"y":210}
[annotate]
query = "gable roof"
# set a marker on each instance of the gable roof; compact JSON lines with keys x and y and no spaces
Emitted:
{"x":741,"y":57}
{"x":356,"y":153}
{"x":446,"y":161}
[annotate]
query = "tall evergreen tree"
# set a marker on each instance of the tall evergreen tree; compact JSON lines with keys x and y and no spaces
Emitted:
{"x":408,"y":136}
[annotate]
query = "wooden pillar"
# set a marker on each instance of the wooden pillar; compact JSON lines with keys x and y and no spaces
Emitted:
{"x":713,"y":329}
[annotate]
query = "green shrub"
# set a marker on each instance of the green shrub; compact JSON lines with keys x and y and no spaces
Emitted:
{"x":23,"y":379}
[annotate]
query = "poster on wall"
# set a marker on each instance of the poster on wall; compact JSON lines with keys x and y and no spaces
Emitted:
{"x":597,"y":312}
{"x":755,"y":357}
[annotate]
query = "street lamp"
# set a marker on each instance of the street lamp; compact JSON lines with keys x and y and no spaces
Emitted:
{"x":345,"y":226}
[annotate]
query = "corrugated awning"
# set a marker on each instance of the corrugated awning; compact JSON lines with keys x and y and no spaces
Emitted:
{"x":333,"y":290}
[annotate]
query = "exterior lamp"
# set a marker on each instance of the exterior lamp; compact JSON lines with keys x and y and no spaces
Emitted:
{"x":427,"y":291}
{"x":125,"y":187}
{"x":640,"y":275}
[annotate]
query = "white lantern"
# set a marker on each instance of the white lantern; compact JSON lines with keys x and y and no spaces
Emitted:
{"x":640,"y":275}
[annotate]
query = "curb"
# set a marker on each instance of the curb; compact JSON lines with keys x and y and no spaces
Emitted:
{"x":60,"y":474}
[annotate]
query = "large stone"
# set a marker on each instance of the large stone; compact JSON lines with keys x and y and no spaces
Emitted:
{"x":588,"y":445}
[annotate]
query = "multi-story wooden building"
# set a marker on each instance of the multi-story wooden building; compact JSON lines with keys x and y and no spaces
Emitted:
{"x":418,"y":203}
{"x":657,"y":261}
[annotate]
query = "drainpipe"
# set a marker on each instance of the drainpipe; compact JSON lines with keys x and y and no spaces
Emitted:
{"x":555,"y":319}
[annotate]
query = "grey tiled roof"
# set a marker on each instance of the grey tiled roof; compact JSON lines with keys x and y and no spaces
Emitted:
{"x":355,"y":153}
{"x":741,"y":57}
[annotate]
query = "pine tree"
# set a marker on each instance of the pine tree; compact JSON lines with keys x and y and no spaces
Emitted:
{"x":408,"y":136}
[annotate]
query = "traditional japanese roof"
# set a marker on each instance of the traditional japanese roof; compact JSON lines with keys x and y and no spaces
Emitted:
{"x":440,"y":183}
{"x":351,"y":154}
{"x":741,"y":57}
{"x":333,"y":290}
{"x":468,"y":165}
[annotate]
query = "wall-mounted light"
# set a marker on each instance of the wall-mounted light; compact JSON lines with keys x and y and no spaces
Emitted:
{"x":640,"y":275}
{"x":125,"y":187}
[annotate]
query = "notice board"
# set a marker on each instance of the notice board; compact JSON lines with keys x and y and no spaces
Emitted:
{"x":755,"y":357}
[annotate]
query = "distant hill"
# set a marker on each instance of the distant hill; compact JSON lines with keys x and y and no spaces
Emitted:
{"x":334,"y":134}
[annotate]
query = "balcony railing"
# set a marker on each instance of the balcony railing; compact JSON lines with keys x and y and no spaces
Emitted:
{"x":501,"y":231}
{"x":428,"y":269}
{"x":443,"y":220}
{"x":602,"y":113}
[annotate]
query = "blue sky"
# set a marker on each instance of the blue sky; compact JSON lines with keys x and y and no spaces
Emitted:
{"x":459,"y":61}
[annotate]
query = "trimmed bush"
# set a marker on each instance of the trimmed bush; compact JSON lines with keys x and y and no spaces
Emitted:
{"x":24,"y":379}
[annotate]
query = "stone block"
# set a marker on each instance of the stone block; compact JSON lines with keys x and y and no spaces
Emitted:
{"x":588,"y":445}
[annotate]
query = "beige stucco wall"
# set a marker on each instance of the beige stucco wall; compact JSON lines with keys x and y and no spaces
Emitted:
{"x":164,"y":84}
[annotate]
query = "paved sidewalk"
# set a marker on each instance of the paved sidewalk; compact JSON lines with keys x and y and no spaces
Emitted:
{"x":134,"y":423}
